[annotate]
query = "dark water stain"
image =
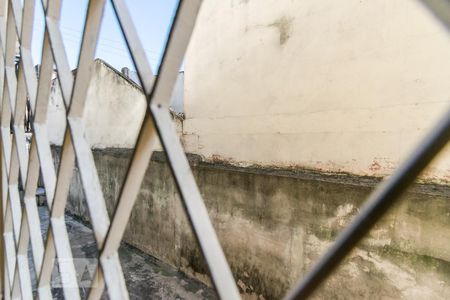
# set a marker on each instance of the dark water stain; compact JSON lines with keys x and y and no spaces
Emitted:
{"x":284,"y":26}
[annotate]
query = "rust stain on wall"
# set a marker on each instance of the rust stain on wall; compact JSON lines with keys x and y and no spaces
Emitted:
{"x":283,"y":24}
{"x":375,"y":166}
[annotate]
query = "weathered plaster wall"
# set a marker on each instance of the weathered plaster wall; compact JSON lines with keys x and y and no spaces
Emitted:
{"x":344,"y":86}
{"x":115,"y":108}
{"x":273,"y":224}
{"x":114,"y":112}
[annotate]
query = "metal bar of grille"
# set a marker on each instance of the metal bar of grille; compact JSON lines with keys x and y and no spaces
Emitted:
{"x":13,"y":213}
{"x":377,"y":204}
{"x":23,"y":31}
{"x":70,"y":96}
{"x":135,"y":174}
{"x":159,"y":99}
{"x":441,"y":9}
{"x":385,"y":195}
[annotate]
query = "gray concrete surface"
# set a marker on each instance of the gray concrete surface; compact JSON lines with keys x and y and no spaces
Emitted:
{"x":273,"y":224}
{"x":146,"y":276}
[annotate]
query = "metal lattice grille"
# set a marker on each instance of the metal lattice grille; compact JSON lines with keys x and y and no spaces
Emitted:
{"x":20,"y":166}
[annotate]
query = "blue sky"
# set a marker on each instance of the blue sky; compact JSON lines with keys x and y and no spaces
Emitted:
{"x":152,"y":19}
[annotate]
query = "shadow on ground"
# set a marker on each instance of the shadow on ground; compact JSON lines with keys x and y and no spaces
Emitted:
{"x":146,"y":277}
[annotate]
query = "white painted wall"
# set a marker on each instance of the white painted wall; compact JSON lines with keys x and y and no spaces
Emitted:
{"x":55,"y":114}
{"x":347,"y":86}
{"x":114,"y":111}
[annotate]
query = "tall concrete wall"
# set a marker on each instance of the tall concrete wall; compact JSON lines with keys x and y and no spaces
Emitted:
{"x":341,"y":86}
{"x":274,"y":224}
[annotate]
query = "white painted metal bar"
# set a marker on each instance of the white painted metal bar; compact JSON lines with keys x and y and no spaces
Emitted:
{"x":18,"y":125}
{"x":146,"y":139}
{"x":27,"y":86}
{"x":159,"y":99}
{"x":441,"y":9}
{"x":134,"y":45}
{"x":13,"y":213}
{"x":44,"y":284}
{"x":198,"y":216}
{"x":386,"y":193}
{"x":9,"y":59}
{"x":17,"y":13}
{"x":87,"y":166}
{"x":22,"y":267}
{"x":4,"y":284}
{"x":144,"y":146}
{"x":141,"y":158}
{"x":20,"y":157}
{"x":9,"y":245}
{"x":3,"y":164}
{"x":10,"y":84}
{"x":20,"y":152}
{"x":33,"y":169}
{"x":57,"y":230}
{"x":197,"y":213}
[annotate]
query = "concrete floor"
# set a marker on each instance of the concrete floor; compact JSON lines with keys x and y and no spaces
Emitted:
{"x":146,"y":277}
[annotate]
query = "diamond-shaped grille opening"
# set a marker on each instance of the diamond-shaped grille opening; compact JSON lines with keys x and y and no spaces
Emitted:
{"x":73,"y":15}
{"x":153,"y":31}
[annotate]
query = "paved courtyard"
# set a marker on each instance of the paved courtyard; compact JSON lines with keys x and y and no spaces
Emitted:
{"x":146,"y":277}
